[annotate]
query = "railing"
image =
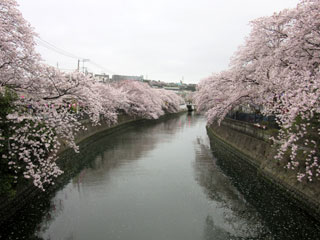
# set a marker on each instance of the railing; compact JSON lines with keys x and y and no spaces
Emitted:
{"x":269,"y":121}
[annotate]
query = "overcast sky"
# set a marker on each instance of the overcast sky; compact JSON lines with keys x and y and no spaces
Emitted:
{"x":164,"y":40}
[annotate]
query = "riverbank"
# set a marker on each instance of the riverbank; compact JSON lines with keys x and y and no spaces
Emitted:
{"x":26,"y":192}
{"x":253,"y":146}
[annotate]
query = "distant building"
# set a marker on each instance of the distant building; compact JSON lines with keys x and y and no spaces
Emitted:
{"x":156,"y":84}
{"x":102,"y":77}
{"x":172,"y":88}
{"x":191,"y":87}
{"x":124,"y":77}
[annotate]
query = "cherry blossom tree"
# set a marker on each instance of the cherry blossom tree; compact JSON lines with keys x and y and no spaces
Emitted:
{"x":220,"y":93}
{"x":170,"y":100}
{"x":147,"y":102}
{"x":277,"y":68}
{"x":18,"y":65}
{"x":44,"y":107}
{"x":189,"y":97}
{"x":41,"y":113}
{"x":18,"y":59}
{"x":143,"y":101}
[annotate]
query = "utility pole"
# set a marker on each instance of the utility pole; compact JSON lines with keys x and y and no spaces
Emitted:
{"x":78,"y":69}
{"x":83,"y":61}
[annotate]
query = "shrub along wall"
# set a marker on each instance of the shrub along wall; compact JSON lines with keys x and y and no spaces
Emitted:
{"x":252,"y":145}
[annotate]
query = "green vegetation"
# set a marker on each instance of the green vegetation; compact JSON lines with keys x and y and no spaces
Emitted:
{"x":7,"y":176}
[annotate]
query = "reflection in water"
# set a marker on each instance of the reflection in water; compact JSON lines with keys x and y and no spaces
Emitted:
{"x":214,"y":232}
{"x":157,"y":180}
{"x":109,"y":154}
{"x":242,"y":219}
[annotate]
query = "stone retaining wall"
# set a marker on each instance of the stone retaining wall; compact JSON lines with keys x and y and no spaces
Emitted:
{"x":253,"y":146}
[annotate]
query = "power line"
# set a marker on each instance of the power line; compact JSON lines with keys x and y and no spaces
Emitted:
{"x":56,"y":49}
{"x":65,"y":53}
{"x":103,"y":68}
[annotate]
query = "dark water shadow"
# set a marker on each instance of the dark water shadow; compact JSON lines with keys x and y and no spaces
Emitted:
{"x":283,"y":216}
{"x":243,"y":219}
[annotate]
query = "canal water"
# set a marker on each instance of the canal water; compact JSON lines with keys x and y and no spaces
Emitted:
{"x":160,"y":181}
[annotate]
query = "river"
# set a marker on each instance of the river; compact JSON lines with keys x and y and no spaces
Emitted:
{"x":159,"y":181}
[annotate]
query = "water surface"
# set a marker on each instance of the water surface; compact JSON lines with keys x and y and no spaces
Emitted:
{"x":152,"y":183}
{"x":161,"y":181}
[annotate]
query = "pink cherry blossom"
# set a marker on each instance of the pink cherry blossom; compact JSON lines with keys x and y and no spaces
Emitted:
{"x":53,"y":105}
{"x":277,"y":68}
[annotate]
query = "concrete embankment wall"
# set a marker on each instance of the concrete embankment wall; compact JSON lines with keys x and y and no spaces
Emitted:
{"x":26,"y":191}
{"x":123,"y":121}
{"x":253,"y":146}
